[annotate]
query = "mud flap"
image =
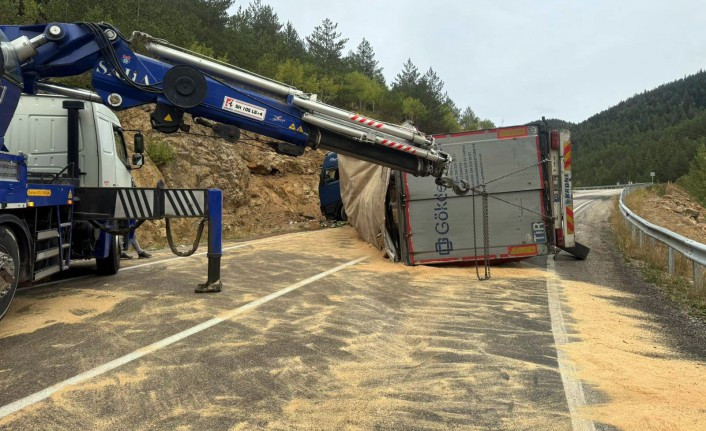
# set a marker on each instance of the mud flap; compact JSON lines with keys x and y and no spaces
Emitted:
{"x":579,"y":251}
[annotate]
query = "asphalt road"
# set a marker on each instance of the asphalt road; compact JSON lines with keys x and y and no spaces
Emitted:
{"x":304,"y":336}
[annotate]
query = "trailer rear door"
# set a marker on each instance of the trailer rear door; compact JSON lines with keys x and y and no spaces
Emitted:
{"x":440,"y":226}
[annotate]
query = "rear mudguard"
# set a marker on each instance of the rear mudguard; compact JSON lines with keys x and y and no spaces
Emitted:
{"x":579,"y":251}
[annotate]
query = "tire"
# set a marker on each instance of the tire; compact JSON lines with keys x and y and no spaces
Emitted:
{"x":111,"y":264}
{"x":9,"y":268}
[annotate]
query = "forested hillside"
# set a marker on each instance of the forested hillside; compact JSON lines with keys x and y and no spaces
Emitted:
{"x":254,"y":38}
{"x":656,"y":131}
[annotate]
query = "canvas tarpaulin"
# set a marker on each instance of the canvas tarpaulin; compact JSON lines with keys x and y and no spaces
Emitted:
{"x":363,"y":190}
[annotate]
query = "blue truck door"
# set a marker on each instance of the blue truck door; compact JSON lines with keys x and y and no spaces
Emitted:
{"x":330,"y":187}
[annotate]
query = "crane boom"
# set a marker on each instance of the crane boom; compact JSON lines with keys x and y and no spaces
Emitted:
{"x":179,"y":81}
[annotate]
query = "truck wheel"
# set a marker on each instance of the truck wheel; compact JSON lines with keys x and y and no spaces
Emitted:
{"x":9,"y":268}
{"x":111,"y":264}
{"x":342,"y":214}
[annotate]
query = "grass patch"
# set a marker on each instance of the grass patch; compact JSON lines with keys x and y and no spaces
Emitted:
{"x":660,"y":189}
{"x":652,"y":259}
{"x":159,"y":151}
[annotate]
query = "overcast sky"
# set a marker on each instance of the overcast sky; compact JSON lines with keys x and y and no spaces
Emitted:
{"x":513,"y":61}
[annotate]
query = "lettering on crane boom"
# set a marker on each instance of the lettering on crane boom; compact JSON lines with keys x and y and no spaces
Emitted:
{"x":244,"y":108}
{"x":133,"y":74}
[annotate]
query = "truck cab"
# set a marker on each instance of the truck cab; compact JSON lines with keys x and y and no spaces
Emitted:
{"x":38,"y":130}
{"x":330,"y":189}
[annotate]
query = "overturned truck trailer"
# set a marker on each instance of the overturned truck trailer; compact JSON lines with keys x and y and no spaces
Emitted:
{"x":520,"y":205}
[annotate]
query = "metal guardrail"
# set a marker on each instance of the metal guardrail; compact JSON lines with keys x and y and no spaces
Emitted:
{"x":621,"y":186}
{"x":692,"y":250}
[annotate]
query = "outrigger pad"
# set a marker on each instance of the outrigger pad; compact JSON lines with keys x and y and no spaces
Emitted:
{"x":209,"y":287}
{"x":579,"y":251}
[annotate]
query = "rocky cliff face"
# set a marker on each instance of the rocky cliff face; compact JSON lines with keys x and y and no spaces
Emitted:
{"x":263,"y":192}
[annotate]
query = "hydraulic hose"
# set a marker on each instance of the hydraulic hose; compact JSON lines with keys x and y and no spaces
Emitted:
{"x":194,"y":246}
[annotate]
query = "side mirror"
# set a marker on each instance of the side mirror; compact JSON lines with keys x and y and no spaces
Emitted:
{"x":139,"y":143}
{"x":138,"y":160}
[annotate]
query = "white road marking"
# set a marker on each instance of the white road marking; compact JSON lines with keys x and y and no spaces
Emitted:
{"x":572,"y":385}
{"x":139,"y":353}
{"x":155,"y":262}
{"x":582,"y":206}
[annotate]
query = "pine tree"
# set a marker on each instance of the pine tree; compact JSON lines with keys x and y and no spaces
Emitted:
{"x":20,"y":11}
{"x":253,"y":33}
{"x":293,"y":45}
{"x":408,"y":79}
{"x":325,"y":45}
{"x":469,"y":120}
{"x":261,"y":19}
{"x":363,"y":60}
{"x":433,"y":85}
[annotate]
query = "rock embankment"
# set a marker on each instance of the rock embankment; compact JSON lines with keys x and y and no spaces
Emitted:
{"x":263,"y":192}
{"x":672,"y":207}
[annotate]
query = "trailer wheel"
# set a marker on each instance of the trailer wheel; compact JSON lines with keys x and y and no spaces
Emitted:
{"x":111,"y":264}
{"x":9,"y":268}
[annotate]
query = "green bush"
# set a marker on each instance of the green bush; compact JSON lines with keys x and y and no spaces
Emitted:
{"x":695,"y":180}
{"x":160,"y":151}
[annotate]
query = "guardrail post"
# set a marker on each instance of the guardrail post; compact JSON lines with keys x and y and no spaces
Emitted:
{"x":641,"y":239}
{"x":670,"y":261}
{"x":698,"y":275}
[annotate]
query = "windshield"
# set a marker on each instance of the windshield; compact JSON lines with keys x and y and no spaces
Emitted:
{"x":120,"y":148}
{"x":12,"y":69}
{"x":331,"y":175}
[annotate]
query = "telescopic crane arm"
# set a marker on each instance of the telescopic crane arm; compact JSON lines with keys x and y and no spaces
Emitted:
{"x":181,"y":82}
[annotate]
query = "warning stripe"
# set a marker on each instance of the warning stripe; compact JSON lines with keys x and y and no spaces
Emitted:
{"x":147,"y":202}
{"x":367,"y":121}
{"x":570,"y":220}
{"x":404,"y":147}
{"x":134,"y":203}
{"x":567,"y":155}
{"x":184,"y":203}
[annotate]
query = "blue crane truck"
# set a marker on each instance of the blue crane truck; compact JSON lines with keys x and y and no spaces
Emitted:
{"x":49,"y":218}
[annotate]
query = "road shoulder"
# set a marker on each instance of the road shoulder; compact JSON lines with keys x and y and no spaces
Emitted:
{"x":642,"y":355}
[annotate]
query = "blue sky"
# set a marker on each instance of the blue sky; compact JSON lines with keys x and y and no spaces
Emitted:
{"x":513,"y":61}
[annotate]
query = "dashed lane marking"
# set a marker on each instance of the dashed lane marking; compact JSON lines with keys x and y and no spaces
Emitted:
{"x":139,"y":353}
